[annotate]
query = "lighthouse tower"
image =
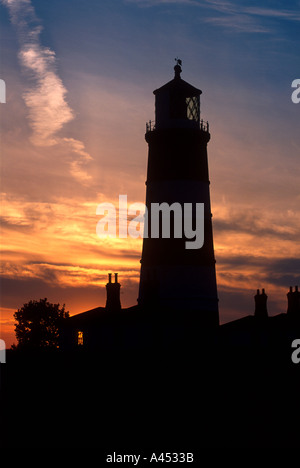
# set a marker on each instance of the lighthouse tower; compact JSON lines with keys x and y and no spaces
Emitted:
{"x":174,"y":277}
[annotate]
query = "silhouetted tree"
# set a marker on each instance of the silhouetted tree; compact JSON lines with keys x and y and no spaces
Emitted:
{"x":38,"y":324}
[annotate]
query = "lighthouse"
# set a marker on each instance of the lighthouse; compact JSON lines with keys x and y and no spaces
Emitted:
{"x":174,"y":278}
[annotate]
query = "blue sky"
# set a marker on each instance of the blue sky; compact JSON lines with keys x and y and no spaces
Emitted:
{"x":96,"y":64}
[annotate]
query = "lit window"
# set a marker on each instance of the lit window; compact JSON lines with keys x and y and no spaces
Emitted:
{"x":80,"y":338}
{"x":193,"y":108}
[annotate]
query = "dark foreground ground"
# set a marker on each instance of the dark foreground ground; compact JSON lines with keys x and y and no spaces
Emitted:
{"x":181,"y":398}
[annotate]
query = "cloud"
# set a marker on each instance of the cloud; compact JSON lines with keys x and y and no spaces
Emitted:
{"x":239,"y":23}
{"x":76,"y":166}
{"x":283,"y":271}
{"x":245,"y":271}
{"x":149,"y":3}
{"x":232,"y":15}
{"x":271,"y":12}
{"x":45,"y":98}
{"x":38,"y":234}
{"x":46,"y":102}
{"x":259,"y":224}
{"x":247,"y":19}
{"x":257,"y":221}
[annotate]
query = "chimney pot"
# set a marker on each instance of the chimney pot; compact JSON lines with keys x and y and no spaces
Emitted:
{"x":261,"y":311}
{"x":113,"y":294}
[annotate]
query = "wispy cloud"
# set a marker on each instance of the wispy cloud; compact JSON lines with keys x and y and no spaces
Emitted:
{"x":247,"y":18}
{"x":238,"y":23}
{"x":45,"y":98}
{"x":231,"y":15}
{"x":259,"y":223}
{"x":149,"y":3}
{"x":273,"y":13}
{"x":77,"y":165}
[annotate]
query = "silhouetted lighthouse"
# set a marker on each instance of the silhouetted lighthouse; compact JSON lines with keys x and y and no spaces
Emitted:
{"x":174,"y":277}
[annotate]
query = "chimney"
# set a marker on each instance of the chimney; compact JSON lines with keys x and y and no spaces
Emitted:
{"x":113,"y":301}
{"x":261,"y":305}
{"x":293,"y":297}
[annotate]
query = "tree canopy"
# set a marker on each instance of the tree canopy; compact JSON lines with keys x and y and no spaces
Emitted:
{"x":38,"y":324}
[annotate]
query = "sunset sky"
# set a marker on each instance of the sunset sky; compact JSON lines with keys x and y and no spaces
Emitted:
{"x":79,"y":78}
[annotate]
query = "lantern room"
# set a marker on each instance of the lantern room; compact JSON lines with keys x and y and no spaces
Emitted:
{"x":177,"y":103}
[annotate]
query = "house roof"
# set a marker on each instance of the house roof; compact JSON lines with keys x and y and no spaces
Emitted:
{"x":99,"y":314}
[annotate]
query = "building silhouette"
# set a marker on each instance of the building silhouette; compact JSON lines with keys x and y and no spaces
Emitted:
{"x":163,"y":373}
{"x":177,"y":301}
{"x":175,"y":277}
{"x":178,"y":290}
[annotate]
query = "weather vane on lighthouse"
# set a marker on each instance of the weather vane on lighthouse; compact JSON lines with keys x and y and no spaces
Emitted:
{"x":177,"y":68}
